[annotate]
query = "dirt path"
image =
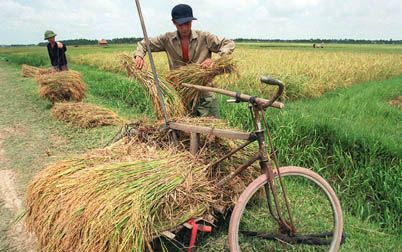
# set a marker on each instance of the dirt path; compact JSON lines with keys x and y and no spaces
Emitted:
{"x":20,"y":238}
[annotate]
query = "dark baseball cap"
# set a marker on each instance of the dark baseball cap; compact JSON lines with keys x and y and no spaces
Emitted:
{"x":182,"y":13}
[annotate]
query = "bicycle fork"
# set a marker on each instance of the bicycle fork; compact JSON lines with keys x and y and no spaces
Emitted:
{"x":266,"y":167}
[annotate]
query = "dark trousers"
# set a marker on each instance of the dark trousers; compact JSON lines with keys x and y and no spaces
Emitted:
{"x":60,"y":68}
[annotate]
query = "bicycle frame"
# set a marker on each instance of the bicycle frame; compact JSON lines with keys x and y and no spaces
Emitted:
{"x":264,"y":160}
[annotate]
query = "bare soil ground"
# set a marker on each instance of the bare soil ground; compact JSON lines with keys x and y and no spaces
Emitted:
{"x":18,"y":235}
{"x":396,"y":102}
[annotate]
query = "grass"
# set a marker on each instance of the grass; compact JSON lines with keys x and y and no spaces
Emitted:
{"x":6,"y":219}
{"x":351,"y":137}
{"x":362,"y":236}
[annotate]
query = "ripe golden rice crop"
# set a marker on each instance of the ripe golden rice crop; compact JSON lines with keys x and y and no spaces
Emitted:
{"x":311,"y":73}
{"x":305,"y":73}
{"x":61,"y":86}
{"x":195,"y":74}
{"x":115,"y":199}
{"x":111,"y":62}
{"x":31,"y":71}
{"x":84,"y":115}
{"x":174,"y":105}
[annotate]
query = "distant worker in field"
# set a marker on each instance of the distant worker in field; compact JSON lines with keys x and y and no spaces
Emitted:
{"x":57,"y":52}
{"x":186,"y":46}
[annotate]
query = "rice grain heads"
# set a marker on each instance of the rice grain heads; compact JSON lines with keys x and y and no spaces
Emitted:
{"x":84,"y":115}
{"x":196,"y":75}
{"x":174,"y":105}
{"x":115,"y":199}
{"x":61,"y":86}
{"x":31,"y":71}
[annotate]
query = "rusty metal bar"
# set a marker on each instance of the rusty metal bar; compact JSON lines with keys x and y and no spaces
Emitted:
{"x":238,"y":170}
{"x":231,"y":153}
{"x":210,"y":131}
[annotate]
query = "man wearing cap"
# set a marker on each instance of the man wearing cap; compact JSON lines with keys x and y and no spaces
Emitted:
{"x":57,"y":52}
{"x":186,"y":46}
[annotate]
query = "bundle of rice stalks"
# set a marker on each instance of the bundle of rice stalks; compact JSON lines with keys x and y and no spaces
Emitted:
{"x":195,"y":74}
{"x":84,"y":115}
{"x":156,"y":133}
{"x":31,"y":71}
{"x":115,"y":199}
{"x":174,"y":105}
{"x":211,"y":149}
{"x":61,"y":86}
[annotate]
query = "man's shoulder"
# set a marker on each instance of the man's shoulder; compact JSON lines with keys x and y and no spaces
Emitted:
{"x":202,"y":33}
{"x":168,"y":35}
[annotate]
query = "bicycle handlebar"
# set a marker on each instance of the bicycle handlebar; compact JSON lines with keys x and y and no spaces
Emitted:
{"x":264,"y":103}
{"x":271,"y":81}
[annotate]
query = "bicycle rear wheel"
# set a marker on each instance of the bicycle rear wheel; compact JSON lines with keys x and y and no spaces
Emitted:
{"x":316,"y":211}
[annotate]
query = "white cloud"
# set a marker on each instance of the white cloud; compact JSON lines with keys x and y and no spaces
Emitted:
{"x":25,"y":21}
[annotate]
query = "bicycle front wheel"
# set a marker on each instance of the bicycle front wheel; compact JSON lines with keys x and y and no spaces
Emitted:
{"x":315,"y":209}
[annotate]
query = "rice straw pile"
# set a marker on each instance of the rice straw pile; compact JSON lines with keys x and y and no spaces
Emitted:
{"x":195,"y":74}
{"x":122,"y":197}
{"x":212,"y":148}
{"x":174,"y":105}
{"x":84,"y":115}
{"x":31,"y":71}
{"x":61,"y":86}
{"x":115,"y":199}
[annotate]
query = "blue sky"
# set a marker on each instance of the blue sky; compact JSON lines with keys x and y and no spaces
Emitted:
{"x":25,"y":21}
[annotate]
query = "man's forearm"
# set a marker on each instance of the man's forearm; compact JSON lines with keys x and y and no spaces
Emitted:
{"x":141,"y":49}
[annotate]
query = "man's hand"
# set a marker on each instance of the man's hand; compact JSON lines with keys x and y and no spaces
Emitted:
{"x":59,"y":45}
{"x":139,"y":62}
{"x":207,"y":63}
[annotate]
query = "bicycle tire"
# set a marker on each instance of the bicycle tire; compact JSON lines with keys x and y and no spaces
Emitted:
{"x":289,"y":174}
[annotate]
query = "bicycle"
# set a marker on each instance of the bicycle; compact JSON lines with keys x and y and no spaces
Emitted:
{"x":285,"y":208}
{"x":290,"y":208}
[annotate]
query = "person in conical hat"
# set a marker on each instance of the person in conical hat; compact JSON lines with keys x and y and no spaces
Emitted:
{"x":57,"y":52}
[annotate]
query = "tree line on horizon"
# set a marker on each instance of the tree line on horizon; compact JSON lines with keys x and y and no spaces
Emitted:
{"x":133,"y":40}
